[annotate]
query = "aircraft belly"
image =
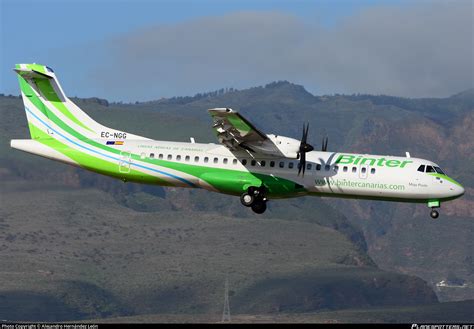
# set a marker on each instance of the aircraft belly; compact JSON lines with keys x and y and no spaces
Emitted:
{"x":230,"y":182}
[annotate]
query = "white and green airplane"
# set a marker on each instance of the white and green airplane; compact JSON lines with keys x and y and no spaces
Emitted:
{"x":248,"y":163}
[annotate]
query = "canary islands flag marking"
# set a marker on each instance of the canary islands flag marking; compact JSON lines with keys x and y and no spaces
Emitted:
{"x":114,"y":142}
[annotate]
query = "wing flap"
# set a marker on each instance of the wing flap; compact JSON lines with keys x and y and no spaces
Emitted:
{"x":228,"y":121}
{"x":237,"y":133}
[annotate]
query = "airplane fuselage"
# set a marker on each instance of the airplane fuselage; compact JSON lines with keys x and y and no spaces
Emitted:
{"x":247,"y":162}
{"x":214,"y":167}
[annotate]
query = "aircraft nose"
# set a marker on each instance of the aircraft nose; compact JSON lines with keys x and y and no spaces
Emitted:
{"x":457,"y":190}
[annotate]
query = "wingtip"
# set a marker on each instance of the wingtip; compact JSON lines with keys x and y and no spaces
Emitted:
{"x":221,"y":109}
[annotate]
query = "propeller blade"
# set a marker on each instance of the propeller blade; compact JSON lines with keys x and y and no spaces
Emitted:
{"x":305,"y":132}
{"x":304,"y":148}
{"x":324,"y":146}
{"x":302,"y":164}
{"x":303,"y":135}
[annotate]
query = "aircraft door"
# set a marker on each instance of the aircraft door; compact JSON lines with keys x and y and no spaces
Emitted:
{"x":124,"y":162}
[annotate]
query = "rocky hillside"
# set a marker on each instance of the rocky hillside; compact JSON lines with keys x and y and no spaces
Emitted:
{"x":343,"y":243}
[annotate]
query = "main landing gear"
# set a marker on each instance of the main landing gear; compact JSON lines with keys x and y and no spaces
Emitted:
{"x":255,"y":199}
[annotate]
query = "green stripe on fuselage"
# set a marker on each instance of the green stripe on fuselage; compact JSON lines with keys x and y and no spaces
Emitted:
{"x":95,"y":164}
{"x":237,"y":181}
{"x":449,"y":179}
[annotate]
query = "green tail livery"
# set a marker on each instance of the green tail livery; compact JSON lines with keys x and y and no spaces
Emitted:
{"x":247,"y":162}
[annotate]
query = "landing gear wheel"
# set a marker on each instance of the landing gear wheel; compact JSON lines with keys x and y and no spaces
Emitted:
{"x":434,"y":214}
{"x":252,"y":190}
{"x":247,"y":199}
{"x":259,"y":206}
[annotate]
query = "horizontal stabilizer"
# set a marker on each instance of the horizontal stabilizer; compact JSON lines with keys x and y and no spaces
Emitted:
{"x":32,"y":74}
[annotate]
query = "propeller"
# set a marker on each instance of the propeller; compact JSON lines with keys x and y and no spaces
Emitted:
{"x":304,"y":148}
{"x":324,"y":146}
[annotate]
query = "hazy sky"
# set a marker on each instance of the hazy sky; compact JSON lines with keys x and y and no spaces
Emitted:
{"x":143,"y":50}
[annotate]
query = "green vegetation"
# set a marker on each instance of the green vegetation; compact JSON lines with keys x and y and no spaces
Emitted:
{"x":453,"y":312}
{"x":80,"y":249}
{"x":75,"y":245}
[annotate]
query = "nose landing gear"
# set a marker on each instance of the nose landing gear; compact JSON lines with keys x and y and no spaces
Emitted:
{"x":434,"y":204}
{"x":434,"y":214}
{"x":255,"y":199}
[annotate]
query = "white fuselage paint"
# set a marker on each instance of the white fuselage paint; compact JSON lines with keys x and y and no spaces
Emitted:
{"x":344,"y":180}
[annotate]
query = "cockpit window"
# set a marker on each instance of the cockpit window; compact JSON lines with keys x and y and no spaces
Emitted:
{"x":430,"y":169}
{"x":421,"y":168}
{"x":439,"y":171}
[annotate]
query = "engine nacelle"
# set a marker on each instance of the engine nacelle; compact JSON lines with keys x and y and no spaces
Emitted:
{"x":278,"y":146}
{"x":289,"y":147}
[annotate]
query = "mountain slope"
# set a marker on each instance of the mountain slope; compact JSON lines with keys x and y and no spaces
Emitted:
{"x":339,"y":235}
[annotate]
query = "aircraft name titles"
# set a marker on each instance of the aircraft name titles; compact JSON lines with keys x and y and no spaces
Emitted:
{"x":379,"y":162}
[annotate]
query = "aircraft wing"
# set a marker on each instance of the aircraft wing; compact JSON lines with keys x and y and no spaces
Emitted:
{"x":237,"y":133}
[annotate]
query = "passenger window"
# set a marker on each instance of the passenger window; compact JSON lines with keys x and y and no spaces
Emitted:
{"x":178,"y":158}
{"x":196,"y":159}
{"x":152,"y":155}
{"x":272,"y":164}
{"x":372,"y":171}
{"x":430,"y":169}
{"x":344,"y":169}
{"x":262,"y":163}
{"x":364,"y":170}
{"x":309,"y":166}
{"x":186,"y":158}
{"x":234,"y":162}
{"x":253,"y":162}
{"x":290,"y":165}
{"x":354,"y":169}
{"x":216,"y":160}
{"x":206,"y":160}
{"x":326,"y":167}
{"x":281,"y":164}
{"x":421,"y":168}
{"x":160,"y":156}
{"x":170,"y":157}
{"x":244,"y":161}
{"x":225,"y":160}
{"x":336,"y":168}
{"x":318,"y":167}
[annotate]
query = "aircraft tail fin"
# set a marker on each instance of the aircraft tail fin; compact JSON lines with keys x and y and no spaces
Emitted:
{"x":47,"y":106}
{"x":49,"y":110}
